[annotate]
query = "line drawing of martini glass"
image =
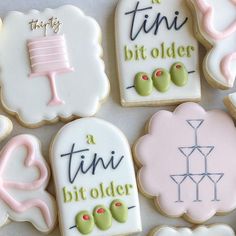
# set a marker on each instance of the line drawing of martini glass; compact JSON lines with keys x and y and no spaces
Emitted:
{"x":215,"y":179}
{"x":179,"y":179}
{"x":197,"y":179}
{"x":188,"y":151}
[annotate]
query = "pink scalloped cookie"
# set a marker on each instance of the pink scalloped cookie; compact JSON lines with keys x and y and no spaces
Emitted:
{"x":187,"y":162}
{"x":55,"y":55}
{"x":218,"y":34}
{"x":24,"y":176}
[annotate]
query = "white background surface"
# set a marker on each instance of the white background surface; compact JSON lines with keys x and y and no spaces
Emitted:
{"x":130,"y":120}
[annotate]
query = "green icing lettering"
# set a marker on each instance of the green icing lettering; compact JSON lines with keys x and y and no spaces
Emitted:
{"x":179,"y":74}
{"x":161,"y":80}
{"x":128,"y":188}
{"x":128,"y":54}
{"x":181,"y":51}
{"x":102,"y":188}
{"x":90,"y":139}
{"x":155,"y":52}
{"x":83,"y":193}
{"x":140,"y":53}
{"x":190,"y":49}
{"x":110,"y":190}
{"x":163,"y":50}
{"x":120,"y":190}
{"x":67,"y":195}
{"x":171,"y":51}
{"x":84,"y":222}
{"x":143,"y":84}
{"x":102,"y":217}
{"x":119,"y":211}
{"x":137,"y":53}
{"x":94,"y":193}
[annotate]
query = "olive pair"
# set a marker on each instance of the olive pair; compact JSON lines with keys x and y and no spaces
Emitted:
{"x":161,"y":79}
{"x":102,"y":217}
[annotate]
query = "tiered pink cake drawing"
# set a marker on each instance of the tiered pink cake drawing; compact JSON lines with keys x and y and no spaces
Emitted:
{"x":49,"y":57}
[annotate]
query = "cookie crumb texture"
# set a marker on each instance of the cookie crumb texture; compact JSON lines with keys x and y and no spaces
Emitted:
{"x":95,"y":180}
{"x":157,"y":53}
{"x":51,"y":66}
{"x":187,"y":162}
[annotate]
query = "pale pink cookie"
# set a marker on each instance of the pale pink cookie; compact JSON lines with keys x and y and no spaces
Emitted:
{"x":187,"y":162}
{"x":218,"y":34}
{"x":24,"y":176}
{"x":213,"y":230}
{"x":51,"y":66}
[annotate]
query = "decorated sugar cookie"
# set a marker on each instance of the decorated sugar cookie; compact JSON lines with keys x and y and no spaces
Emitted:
{"x":5,"y":127}
{"x":214,"y":230}
{"x":55,"y":57}
{"x":219,"y":36}
{"x":187,"y":161}
{"x":24,"y":177}
{"x":95,"y":180}
{"x":157,"y":53}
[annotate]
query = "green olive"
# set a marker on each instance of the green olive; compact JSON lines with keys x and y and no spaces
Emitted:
{"x":119,"y":211}
{"x":161,"y":80}
{"x":102,"y":217}
{"x":179,"y":74}
{"x":84,"y":222}
{"x":143,"y":84}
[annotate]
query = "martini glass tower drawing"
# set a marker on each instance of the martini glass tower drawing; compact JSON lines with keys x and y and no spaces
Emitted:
{"x":49,"y":57}
{"x":203,"y":152}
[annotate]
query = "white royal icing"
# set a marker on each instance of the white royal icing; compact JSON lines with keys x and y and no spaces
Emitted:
{"x":179,"y":36}
{"x":94,"y":138}
{"x":50,"y":65}
{"x":5,"y":127}
{"x":220,"y":32}
{"x":215,"y":230}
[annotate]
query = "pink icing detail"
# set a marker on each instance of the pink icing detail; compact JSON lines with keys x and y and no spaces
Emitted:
{"x":49,"y":57}
{"x":225,"y":66}
{"x":207,"y":12}
{"x":30,"y":161}
{"x":159,"y":154}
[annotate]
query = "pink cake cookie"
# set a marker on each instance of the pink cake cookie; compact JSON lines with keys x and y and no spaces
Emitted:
{"x":187,"y":162}
{"x":49,"y":57}
{"x":51,"y":66}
